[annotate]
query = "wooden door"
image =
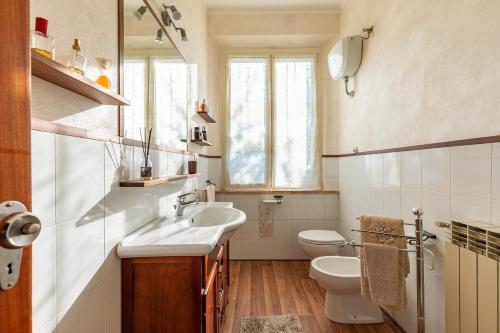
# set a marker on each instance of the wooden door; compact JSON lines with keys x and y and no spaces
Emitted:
{"x":15,"y":148}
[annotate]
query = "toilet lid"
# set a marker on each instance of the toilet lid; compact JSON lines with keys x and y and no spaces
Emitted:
{"x":321,"y":237}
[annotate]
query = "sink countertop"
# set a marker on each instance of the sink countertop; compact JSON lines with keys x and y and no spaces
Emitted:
{"x":165,"y":237}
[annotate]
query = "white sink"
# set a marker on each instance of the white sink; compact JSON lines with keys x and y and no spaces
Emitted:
{"x":197,"y":234}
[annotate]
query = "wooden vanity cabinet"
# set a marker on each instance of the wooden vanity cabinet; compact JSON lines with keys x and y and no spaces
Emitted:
{"x":175,"y":294}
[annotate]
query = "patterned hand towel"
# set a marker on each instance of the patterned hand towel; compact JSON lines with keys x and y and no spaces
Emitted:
{"x":389,"y":226}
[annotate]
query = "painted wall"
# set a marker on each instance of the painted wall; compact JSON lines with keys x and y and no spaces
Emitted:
{"x":430,"y":73}
{"x":95,"y":23}
{"x":263,"y":29}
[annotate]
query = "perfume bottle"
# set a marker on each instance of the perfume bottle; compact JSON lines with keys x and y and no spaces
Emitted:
{"x":41,"y":42}
{"x":77,"y":62}
{"x":104,"y":66}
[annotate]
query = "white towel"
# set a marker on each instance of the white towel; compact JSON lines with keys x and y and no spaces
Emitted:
{"x":210,"y":193}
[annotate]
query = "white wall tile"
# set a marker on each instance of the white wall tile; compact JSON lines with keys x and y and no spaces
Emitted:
{"x":250,"y":249}
{"x":79,"y":177}
{"x":410,"y":198}
{"x":376,"y":198}
{"x":266,"y":249}
{"x":215,"y":172}
{"x":377,"y":169}
{"x":43,"y":177}
{"x":316,"y":224}
{"x":282,"y":211}
{"x":300,"y":209}
{"x":44,"y":277}
{"x":282,"y":249}
{"x":471,"y":170}
{"x":468,"y":207}
{"x":316,"y":208}
{"x":80,"y":254}
{"x":495,"y":172}
{"x":282,"y":229}
{"x":87,"y":313}
{"x":411,"y":169}
{"x":495,"y":212}
{"x":49,"y":327}
{"x":392,"y":169}
{"x":332,"y":207}
{"x":392,"y":201}
{"x":436,"y":173}
{"x":437,"y":207}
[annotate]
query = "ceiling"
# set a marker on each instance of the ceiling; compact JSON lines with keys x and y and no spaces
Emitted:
{"x":273,"y":5}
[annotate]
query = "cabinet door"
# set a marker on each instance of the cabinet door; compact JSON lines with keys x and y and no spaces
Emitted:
{"x":452,"y":287}
{"x":210,"y":308}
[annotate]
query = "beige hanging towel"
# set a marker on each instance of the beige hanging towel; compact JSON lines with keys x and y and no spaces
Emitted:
{"x":381,"y":269}
{"x":390,"y":226}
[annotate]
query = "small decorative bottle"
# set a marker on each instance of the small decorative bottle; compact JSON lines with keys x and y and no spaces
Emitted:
{"x":204,"y":106}
{"x":77,"y":62}
{"x":104,"y":66}
{"x":41,"y":42}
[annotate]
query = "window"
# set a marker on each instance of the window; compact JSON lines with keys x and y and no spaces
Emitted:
{"x":271,"y":123}
{"x":158,"y":90}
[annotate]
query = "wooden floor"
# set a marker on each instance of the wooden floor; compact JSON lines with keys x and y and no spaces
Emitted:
{"x":284,"y":287}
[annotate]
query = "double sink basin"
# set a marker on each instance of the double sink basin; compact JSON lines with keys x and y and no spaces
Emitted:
{"x":196,"y":233}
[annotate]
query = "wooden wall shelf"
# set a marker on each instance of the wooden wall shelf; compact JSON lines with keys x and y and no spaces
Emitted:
{"x":201,"y":142}
{"x":60,"y":75}
{"x":156,"y":181}
{"x":207,"y":117}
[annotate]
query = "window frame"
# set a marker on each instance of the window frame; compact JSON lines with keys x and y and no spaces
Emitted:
{"x":149,"y":84}
{"x":270,"y":125}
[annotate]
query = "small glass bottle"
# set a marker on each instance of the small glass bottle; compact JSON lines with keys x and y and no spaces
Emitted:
{"x":104,"y":66}
{"x":77,"y":62}
{"x":41,"y":42}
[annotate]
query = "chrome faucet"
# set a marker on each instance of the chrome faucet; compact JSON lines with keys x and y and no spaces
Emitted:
{"x":183,"y":204}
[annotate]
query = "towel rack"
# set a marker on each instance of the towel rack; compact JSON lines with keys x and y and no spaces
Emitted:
{"x":418,"y":241}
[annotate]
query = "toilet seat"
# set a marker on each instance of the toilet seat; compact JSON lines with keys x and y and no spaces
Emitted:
{"x":321,"y":237}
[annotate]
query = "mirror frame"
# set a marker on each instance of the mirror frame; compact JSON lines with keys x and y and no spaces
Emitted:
{"x":121,"y":57}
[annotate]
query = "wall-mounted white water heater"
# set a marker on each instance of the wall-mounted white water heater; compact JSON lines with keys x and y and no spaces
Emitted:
{"x":345,"y":57}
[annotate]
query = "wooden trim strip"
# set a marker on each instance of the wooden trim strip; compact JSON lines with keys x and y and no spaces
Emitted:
{"x":210,"y":156}
{"x":51,"y":127}
{"x":444,"y":144}
{"x":278,"y":192}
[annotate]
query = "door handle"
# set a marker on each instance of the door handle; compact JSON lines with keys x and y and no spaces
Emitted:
{"x":18,"y":229}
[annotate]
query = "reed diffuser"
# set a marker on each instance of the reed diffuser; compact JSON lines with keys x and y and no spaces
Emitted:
{"x":146,"y":165}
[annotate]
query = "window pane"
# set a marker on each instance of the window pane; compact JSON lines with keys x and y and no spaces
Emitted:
{"x":170,"y":101}
{"x":247,"y":142}
{"x":295,"y":162}
{"x":134,"y":77}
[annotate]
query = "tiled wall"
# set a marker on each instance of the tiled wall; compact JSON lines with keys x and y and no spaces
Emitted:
{"x":84,"y":213}
{"x":462,"y":182}
{"x":298,"y":212}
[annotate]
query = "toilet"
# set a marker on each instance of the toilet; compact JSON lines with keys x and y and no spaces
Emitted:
{"x":318,"y":243}
{"x":340,"y":277}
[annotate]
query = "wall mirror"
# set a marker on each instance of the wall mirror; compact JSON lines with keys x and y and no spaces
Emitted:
{"x":156,"y":79}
